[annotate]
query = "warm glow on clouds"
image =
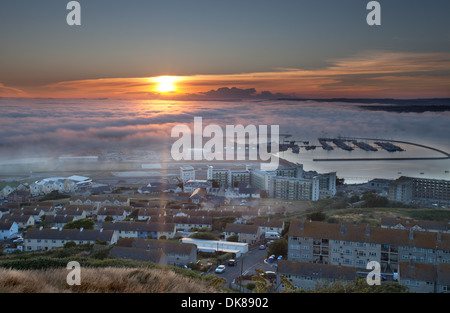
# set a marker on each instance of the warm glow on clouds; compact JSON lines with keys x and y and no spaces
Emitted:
{"x":370,"y":74}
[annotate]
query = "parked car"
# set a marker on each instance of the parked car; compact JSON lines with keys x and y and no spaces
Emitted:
{"x":232,"y":262}
{"x":262,"y":247}
{"x":220,"y":269}
{"x":271,"y":275}
{"x":18,"y":240}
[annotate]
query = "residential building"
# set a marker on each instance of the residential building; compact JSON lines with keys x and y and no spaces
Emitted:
{"x":135,"y":254}
{"x":45,"y":239}
{"x":152,"y":230}
{"x":307,"y":276}
{"x":176,"y":253}
{"x":425,"y":278}
{"x":249,"y":234}
{"x":190,"y":186}
{"x":401,"y":190}
{"x":414,"y":224}
{"x":198,"y":196}
{"x":58,"y":220}
{"x":8,"y":229}
{"x":23,"y":221}
{"x":187,"y":173}
{"x":269,"y":225}
{"x":353,"y":245}
{"x":116,"y":213}
{"x":413,"y":189}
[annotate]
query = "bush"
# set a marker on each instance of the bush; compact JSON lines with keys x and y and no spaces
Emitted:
{"x":69,"y":244}
{"x":316,"y":216}
{"x":250,"y":286}
{"x":233,"y":238}
{"x":86,"y":223}
{"x":203,"y":235}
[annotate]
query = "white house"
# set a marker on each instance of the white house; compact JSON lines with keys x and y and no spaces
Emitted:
{"x":8,"y":229}
{"x":6,"y":191}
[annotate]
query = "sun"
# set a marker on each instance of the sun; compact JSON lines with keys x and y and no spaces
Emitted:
{"x":166,"y":83}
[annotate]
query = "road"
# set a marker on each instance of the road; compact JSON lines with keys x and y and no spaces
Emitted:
{"x":247,"y":263}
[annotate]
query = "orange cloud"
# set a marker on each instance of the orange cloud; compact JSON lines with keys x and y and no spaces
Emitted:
{"x":11,"y":92}
{"x":369,"y":74}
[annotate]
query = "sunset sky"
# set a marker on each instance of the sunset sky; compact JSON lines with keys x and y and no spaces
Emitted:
{"x":201,"y":49}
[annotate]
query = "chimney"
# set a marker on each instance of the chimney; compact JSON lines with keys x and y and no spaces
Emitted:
{"x":343,"y":229}
{"x":81,"y":229}
{"x":439,"y":237}
{"x":411,"y":234}
{"x":367,"y":230}
{"x":60,"y":229}
{"x":101,"y":230}
{"x":40,"y":228}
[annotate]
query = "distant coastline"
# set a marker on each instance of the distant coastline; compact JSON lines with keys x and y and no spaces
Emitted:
{"x":391,"y":105}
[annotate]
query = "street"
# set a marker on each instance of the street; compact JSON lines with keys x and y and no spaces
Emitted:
{"x":247,"y":263}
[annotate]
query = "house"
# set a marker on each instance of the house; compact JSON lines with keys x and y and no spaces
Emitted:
{"x":176,"y":252}
{"x":101,"y":200}
{"x":425,"y":278}
{"x":37,"y":239}
{"x":19,"y":196}
{"x":150,"y":213}
{"x":414,"y":224}
{"x":80,"y":210}
{"x":59,"y":220}
{"x":198,"y":196}
{"x":22,"y":220}
{"x":245,"y":190}
{"x":8,"y":229}
{"x":35,"y":212}
{"x":307,"y":276}
{"x":192,"y":184}
{"x":418,"y":277}
{"x":6,"y":191}
{"x":142,"y":230}
{"x":143,"y":255}
{"x":269,"y":225}
{"x":246,"y":233}
{"x":186,"y":223}
{"x":116,"y":213}
{"x":75,"y":211}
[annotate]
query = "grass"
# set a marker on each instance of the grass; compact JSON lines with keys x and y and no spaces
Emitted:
{"x":373,"y":216}
{"x":100,"y":280}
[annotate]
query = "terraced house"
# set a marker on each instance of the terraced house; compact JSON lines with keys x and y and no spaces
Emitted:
{"x":37,"y":239}
{"x":142,"y":230}
{"x":356,"y":245}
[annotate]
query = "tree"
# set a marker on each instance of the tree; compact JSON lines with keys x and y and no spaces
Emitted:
{"x":233,"y":238}
{"x":278,"y":247}
{"x":203,"y":235}
{"x":86,"y":223}
{"x":69,"y":244}
{"x":316,"y":216}
{"x":261,"y":284}
{"x":108,"y":219}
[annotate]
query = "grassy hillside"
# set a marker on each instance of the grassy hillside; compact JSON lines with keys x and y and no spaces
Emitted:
{"x":100,"y":280}
{"x":45,"y":271}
